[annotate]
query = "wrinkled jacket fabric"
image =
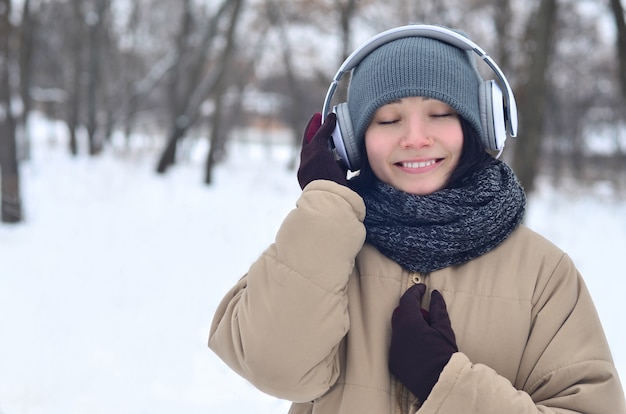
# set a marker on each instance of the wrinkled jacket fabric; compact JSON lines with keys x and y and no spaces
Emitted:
{"x":310,"y":323}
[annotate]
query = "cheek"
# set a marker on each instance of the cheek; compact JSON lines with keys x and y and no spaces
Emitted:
{"x":458,"y":147}
{"x":375,"y":155}
{"x":375,"y":148}
{"x":455,"y":140}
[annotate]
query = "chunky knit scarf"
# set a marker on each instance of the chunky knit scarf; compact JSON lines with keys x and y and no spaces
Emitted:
{"x":448,"y":227}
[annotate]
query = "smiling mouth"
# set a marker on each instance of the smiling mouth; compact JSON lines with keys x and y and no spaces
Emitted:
{"x":417,"y":164}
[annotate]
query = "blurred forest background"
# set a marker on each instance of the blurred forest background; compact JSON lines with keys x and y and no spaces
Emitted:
{"x":166,"y":72}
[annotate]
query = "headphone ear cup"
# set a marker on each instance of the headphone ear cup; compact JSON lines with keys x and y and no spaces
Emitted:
{"x":344,"y":140}
{"x":491,"y":104}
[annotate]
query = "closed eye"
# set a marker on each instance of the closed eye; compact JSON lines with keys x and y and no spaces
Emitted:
{"x":445,"y":115}
{"x":390,"y":122}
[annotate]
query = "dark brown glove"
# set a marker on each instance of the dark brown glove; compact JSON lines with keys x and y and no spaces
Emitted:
{"x":420,"y":348}
{"x":316,"y":160}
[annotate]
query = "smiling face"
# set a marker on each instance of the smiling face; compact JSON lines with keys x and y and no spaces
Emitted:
{"x":414,"y":144}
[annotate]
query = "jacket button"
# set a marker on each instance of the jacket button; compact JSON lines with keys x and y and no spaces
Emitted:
{"x":417,"y":279}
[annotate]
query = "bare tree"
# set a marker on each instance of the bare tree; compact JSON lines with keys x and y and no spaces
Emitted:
{"x":74,"y":86}
{"x":27,"y":35}
{"x":95,"y":21}
{"x":570,"y":111}
{"x":502,"y":17}
{"x":531,"y":94}
{"x":347,"y":10}
{"x":297,"y":89}
{"x":9,"y":173}
{"x":190,"y":84}
{"x":136,"y":90}
{"x":620,"y":24}
{"x":218,"y":94}
{"x":294,"y":114}
{"x":347,"y":14}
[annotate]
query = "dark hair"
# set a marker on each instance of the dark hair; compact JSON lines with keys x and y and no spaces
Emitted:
{"x":473,"y":157}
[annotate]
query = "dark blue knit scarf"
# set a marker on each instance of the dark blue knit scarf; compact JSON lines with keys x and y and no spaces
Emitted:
{"x":448,"y":227}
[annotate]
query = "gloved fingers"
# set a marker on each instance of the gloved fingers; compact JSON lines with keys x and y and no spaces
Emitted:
{"x":409,"y":308}
{"x":440,"y":319}
{"x":323,"y":135}
{"x":413,"y":296}
{"x":312,"y":127}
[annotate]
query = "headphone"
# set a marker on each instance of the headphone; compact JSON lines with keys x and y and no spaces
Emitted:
{"x":498,"y":110}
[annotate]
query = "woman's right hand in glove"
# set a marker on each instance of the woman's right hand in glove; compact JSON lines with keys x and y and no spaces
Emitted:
{"x":422,"y":342}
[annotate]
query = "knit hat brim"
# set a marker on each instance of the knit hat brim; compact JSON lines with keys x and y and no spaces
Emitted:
{"x":414,"y":66}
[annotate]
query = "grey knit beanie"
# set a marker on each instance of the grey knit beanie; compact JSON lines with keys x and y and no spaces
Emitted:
{"x":414,"y":66}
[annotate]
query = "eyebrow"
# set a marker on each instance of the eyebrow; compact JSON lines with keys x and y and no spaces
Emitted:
{"x":396,"y":101}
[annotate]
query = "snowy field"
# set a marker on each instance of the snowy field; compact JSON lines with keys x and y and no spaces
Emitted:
{"x":108,"y":288}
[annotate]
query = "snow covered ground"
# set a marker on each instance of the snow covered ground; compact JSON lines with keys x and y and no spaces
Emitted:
{"x":108,"y":288}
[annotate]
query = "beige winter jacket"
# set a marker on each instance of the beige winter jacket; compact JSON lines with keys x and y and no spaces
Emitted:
{"x":310,"y":323}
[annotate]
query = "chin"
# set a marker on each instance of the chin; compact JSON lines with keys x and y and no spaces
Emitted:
{"x":420,"y":190}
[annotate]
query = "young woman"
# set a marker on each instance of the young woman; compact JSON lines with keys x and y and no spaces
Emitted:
{"x":414,"y":287}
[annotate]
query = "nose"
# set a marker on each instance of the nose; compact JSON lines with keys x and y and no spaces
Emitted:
{"x":415,"y":134}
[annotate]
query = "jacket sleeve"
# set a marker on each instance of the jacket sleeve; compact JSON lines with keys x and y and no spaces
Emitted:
{"x":567,"y":365}
{"x":281,"y":325}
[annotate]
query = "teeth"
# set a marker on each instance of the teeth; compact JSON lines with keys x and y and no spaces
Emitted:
{"x":418,"y":164}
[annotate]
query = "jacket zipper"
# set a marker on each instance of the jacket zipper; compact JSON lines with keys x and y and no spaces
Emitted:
{"x":399,"y":400}
{"x":402,"y":397}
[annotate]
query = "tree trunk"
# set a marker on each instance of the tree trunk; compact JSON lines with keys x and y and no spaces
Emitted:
{"x":168,"y":156}
{"x":347,"y":10}
{"x":11,"y":205}
{"x":95,"y":51}
{"x":217,"y":130}
{"x":503,"y":15}
{"x":531,"y":99}
{"x":620,"y":24}
{"x":295,"y":117}
{"x":27,"y":36}
{"x":73,"y":101}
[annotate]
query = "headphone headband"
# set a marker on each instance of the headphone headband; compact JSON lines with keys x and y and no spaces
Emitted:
{"x":433,"y":32}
